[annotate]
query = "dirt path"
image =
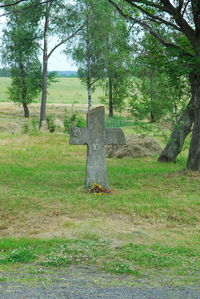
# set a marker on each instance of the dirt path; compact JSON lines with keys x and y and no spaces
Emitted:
{"x":90,"y":283}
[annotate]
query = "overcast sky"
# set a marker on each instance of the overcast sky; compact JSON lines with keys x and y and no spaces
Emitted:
{"x":57,"y":62}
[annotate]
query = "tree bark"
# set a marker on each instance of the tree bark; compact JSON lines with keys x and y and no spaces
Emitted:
{"x":152,"y":117}
{"x":179,"y":134}
{"x":193,"y":162}
{"x":45,"y":69}
{"x":89,"y":97}
{"x":110,"y":97}
{"x":26,"y":110}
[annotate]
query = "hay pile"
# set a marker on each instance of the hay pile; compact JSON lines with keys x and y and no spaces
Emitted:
{"x":10,"y":127}
{"x":136,"y":146}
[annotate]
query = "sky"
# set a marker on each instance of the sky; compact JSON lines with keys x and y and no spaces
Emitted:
{"x":57,"y":62}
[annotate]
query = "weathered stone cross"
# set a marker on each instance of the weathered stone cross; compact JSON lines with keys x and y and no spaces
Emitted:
{"x":96,"y":136}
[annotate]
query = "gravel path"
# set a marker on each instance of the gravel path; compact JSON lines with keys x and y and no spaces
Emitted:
{"x":90,"y":283}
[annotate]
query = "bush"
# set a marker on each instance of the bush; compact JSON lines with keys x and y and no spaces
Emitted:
{"x":73,"y":120}
{"x":51,"y":123}
{"x":31,"y":126}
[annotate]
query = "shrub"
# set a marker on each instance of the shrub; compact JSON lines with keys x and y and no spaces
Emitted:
{"x":51,"y":123}
{"x":73,"y":120}
{"x":31,"y":126}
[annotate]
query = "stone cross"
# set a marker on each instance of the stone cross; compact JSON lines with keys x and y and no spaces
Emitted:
{"x":96,"y":136}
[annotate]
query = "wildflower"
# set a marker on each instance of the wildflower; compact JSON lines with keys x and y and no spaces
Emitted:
{"x":99,"y":190}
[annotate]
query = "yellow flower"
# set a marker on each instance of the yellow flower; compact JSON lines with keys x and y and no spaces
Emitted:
{"x":97,"y":186}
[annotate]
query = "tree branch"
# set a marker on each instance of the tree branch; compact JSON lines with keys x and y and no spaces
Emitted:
{"x":185,"y":7}
{"x":149,"y":3}
{"x":196,"y":14}
{"x":180,"y":21}
{"x":156,"y":18}
{"x":150,"y":30}
{"x":64,"y":41}
{"x":25,"y":8}
{"x":11,"y":4}
{"x":180,"y":6}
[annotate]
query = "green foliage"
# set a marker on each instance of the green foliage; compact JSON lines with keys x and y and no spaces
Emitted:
{"x":51,"y":123}
{"x":121,"y":268}
{"x":161,"y":87}
{"x":87,"y":51}
{"x":73,"y":120}
{"x":51,"y":78}
{"x":20,"y":53}
{"x":102,"y":51}
{"x":115,"y":75}
{"x":19,"y":255}
{"x":4,"y":73}
{"x":31,"y":126}
{"x":25,"y":87}
{"x":117,"y":122}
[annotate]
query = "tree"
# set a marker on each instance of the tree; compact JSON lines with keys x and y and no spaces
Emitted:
{"x":162,"y":90}
{"x":115,"y":74}
{"x":60,"y":19}
{"x":182,"y":17}
{"x":101,"y":52}
{"x":88,"y":51}
{"x":20,"y":53}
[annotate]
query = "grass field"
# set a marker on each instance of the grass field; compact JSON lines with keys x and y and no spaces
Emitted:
{"x":65,"y":91}
{"x":148,"y":227}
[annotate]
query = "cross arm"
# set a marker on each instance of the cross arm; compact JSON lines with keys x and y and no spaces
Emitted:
{"x":114,"y":136}
{"x":78,"y":135}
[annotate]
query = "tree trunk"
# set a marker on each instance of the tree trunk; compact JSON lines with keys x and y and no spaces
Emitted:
{"x":26,"y":110}
{"x":110,"y":97}
{"x":193,"y":162}
{"x":44,"y":93}
{"x":152,"y":117}
{"x":45,"y":69}
{"x":177,"y":138}
{"x":89,"y":98}
{"x":89,"y":84}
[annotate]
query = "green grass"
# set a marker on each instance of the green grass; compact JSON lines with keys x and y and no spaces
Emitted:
{"x":148,"y":227}
{"x":65,"y":91}
{"x":4,"y":84}
{"x":118,"y":122}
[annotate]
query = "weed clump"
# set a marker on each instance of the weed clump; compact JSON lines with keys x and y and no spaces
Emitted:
{"x":73,"y":120}
{"x":51,"y":123}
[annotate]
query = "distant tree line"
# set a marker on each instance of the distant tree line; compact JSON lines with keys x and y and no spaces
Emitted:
{"x":58,"y":74}
{"x":66,"y":74}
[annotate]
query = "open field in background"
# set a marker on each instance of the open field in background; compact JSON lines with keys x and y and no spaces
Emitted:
{"x":65,"y":91}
